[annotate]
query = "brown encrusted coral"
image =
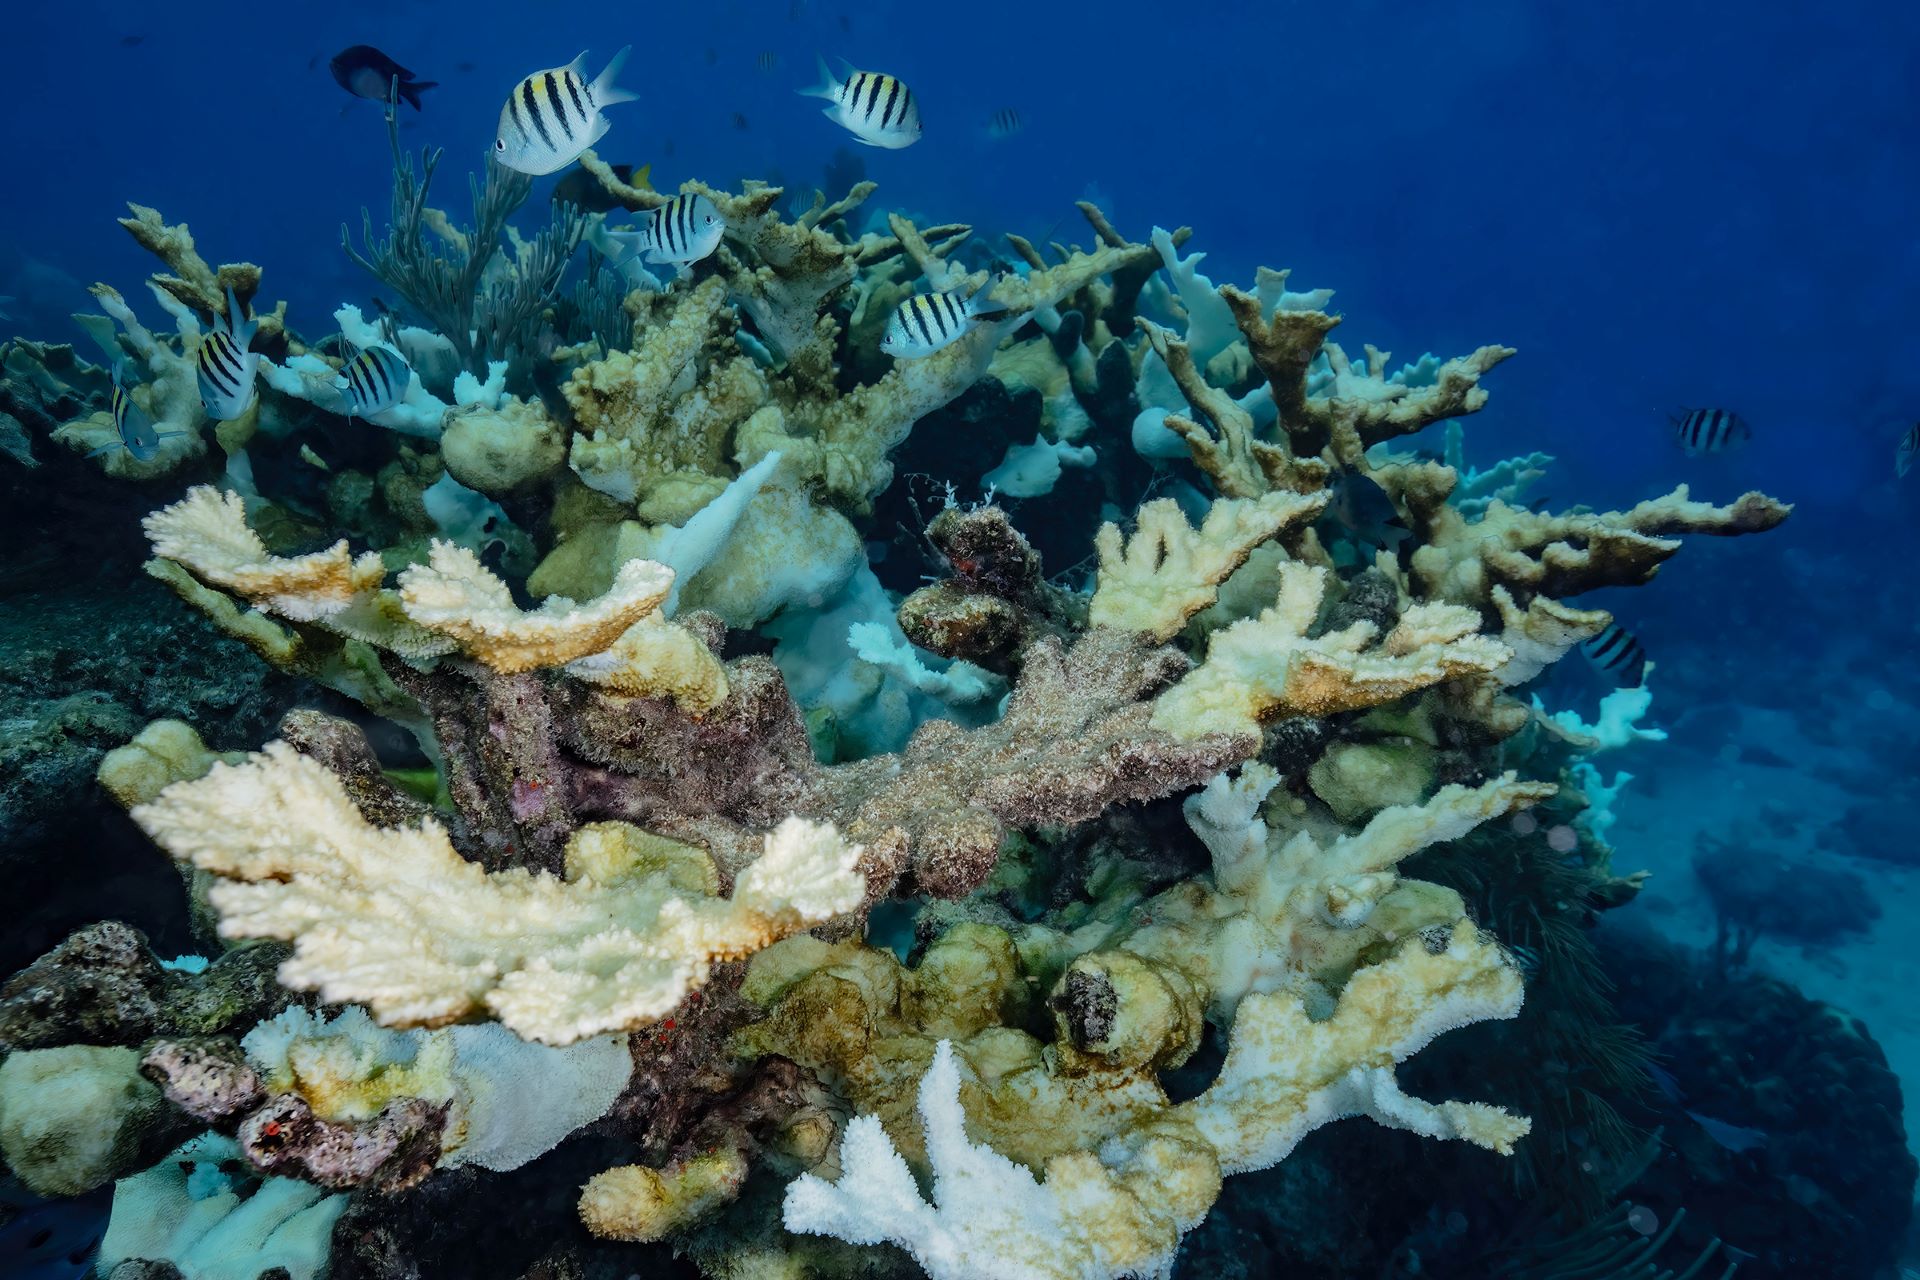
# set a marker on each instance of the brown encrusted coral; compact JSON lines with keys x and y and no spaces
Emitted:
{"x":1074,"y":740}
{"x":102,"y":985}
{"x":996,"y":603}
{"x":392,"y":1151}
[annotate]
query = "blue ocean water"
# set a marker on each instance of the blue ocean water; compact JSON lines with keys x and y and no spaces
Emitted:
{"x":1662,"y":207}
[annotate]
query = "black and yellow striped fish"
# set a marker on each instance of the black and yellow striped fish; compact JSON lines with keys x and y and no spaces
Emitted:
{"x":1710,"y":431}
{"x":133,"y":429}
{"x":930,"y":321}
{"x":876,"y":108}
{"x":225,"y":367}
{"x":1616,"y":655}
{"x":686,"y":229}
{"x":1004,"y":123}
{"x":373,"y":382}
{"x":552,"y":116}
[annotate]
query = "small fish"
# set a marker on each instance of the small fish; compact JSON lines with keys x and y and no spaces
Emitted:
{"x":1665,"y":1082}
{"x":1615,"y":654}
{"x":133,"y":41}
{"x":1735,"y":1138}
{"x":684,"y":230}
{"x":930,"y":321}
{"x":1526,"y":959}
{"x":463,"y":66}
{"x":877,"y":109}
{"x":768,"y":61}
{"x":1004,"y":123}
{"x":135,"y":428}
{"x":583,"y":191}
{"x":373,"y":382}
{"x":1710,"y":431}
{"x":225,"y":365}
{"x":846,"y":23}
{"x":552,"y":116}
{"x":1365,"y":513}
{"x":740,"y":122}
{"x":1902,"y":456}
{"x":365,"y":72}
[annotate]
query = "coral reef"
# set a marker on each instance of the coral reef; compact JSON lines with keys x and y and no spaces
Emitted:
{"x":1782,"y":1113}
{"x":646,"y":735}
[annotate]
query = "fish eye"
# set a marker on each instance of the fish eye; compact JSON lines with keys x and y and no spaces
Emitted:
{"x":499,"y":144}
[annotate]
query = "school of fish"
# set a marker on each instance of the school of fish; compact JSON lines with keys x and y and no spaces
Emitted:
{"x":551,"y":117}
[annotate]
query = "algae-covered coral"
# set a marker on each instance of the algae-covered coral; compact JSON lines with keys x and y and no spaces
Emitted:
{"x":678,"y":768}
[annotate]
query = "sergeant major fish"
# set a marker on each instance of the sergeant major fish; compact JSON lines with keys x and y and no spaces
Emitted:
{"x":930,"y":321}
{"x":1004,"y":123}
{"x":1710,"y":431}
{"x":134,"y":427}
{"x":225,"y":366}
{"x":373,"y":382}
{"x":552,"y":116}
{"x":684,"y":230}
{"x":876,"y":108}
{"x":1615,"y":654}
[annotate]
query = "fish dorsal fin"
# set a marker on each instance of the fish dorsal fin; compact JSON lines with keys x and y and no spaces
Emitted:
{"x":579,"y":65}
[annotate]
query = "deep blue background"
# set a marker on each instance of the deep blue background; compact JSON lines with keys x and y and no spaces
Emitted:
{"x":1660,"y":205}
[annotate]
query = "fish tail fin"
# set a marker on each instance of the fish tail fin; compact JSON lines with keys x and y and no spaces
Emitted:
{"x":829,"y":85}
{"x":410,"y":91}
{"x":238,"y":324}
{"x":605,"y":92}
{"x":981,"y":307}
{"x":624,"y":247}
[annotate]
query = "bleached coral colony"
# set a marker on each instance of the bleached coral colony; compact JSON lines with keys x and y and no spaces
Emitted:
{"x":696,"y":772}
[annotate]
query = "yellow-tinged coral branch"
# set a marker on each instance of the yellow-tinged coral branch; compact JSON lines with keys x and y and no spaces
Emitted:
{"x":455,"y":595}
{"x":1265,"y":667}
{"x":1169,"y":571}
{"x":206,"y":532}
